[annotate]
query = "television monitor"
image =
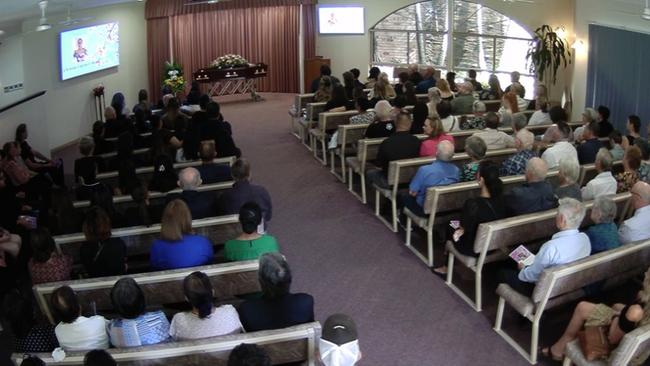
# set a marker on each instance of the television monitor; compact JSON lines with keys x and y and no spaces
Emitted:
{"x":89,"y":49}
{"x":341,"y":20}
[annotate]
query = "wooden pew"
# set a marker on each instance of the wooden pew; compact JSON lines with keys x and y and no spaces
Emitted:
{"x":401,"y":172}
{"x":348,"y":136}
{"x":305,"y":124}
{"x":229,"y":280}
{"x":327,"y":121}
{"x":444,"y":202}
{"x":296,"y":111}
{"x":563,"y":284}
{"x":138,"y":239}
{"x":494,"y":240}
{"x":631,"y":346}
{"x":297,"y":344}
{"x":111,"y":178}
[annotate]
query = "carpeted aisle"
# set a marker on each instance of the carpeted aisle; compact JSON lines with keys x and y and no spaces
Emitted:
{"x":350,"y":262}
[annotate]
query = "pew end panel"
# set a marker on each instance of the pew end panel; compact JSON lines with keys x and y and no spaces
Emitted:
{"x":348,"y":136}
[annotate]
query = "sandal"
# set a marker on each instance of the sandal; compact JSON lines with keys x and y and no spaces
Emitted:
{"x":546,"y":352}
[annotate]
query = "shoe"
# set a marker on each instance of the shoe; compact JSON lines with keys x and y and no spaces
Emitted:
{"x":546,"y":353}
{"x":439,"y":274}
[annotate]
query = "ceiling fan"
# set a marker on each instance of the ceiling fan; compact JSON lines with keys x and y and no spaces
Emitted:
{"x":644,"y":14}
{"x":43,"y":25}
{"x":69,"y":20}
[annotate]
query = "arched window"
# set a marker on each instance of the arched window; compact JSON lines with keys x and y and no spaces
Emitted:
{"x":453,"y":35}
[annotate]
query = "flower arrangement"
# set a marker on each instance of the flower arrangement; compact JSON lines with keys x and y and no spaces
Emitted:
{"x":98,"y":91}
{"x":229,"y":61}
{"x":173,"y":77}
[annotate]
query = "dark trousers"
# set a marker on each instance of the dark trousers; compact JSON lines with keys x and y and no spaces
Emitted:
{"x":510,"y":277}
{"x":410,"y":202}
{"x":377,"y":176}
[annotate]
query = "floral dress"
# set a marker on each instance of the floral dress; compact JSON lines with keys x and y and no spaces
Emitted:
{"x":625,"y":181}
{"x":469,"y":171}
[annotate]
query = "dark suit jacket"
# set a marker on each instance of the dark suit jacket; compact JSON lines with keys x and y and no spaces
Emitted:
{"x":201,"y":204}
{"x":289,"y":310}
{"x":241,"y":192}
{"x":214,"y":173}
{"x":221,"y":132}
{"x":531,"y":197}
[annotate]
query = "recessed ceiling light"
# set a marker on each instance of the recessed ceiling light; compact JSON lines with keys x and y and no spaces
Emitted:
{"x":2,"y":32}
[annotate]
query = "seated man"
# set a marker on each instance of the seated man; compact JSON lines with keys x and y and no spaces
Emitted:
{"x":519,"y":122}
{"x":494,"y":139}
{"x":561,"y":149}
{"x":201,"y":204}
{"x":76,"y":332}
{"x":516,"y":164}
{"x":243,"y":191}
{"x":534,"y":195}
{"x":471,"y":77}
{"x":278,"y":307}
{"x":604,"y":183}
{"x":636,"y":227}
{"x":566,"y":246}
{"x":588,"y":149}
{"x":439,"y":173}
{"x":339,"y":343}
{"x":604,"y":126}
{"x":428,"y":81}
{"x":209,"y":170}
{"x":400,"y":145}
{"x":514,"y":79}
{"x":464,"y":102}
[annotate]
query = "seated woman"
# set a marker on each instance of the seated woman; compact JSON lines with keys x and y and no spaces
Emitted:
{"x":631,"y":164}
{"x":163,"y":141}
{"x":433,"y":128}
{"x":476,"y":148}
{"x":46,"y":264}
{"x":399,"y":103}
{"x":250,"y":244}
{"x":164,"y":177}
{"x":509,"y":104}
{"x":9,"y":245}
{"x":101,"y":145}
{"x":362,"y":105}
{"x":86,"y":168}
{"x":434,"y":100}
{"x":409,"y":93}
{"x":420,"y":114}
{"x":383,"y":126}
{"x":103,"y":197}
{"x":445,"y":90}
{"x":74,"y":331}
{"x":373,"y":76}
{"x":477,"y":121}
{"x":18,"y":313}
{"x":62,"y":217}
{"x":143,"y":213}
{"x":449,"y":122}
{"x":324,"y":92}
{"x":568,"y":179}
{"x":603,"y":234}
{"x":37,"y":187}
{"x":135,"y":327}
{"x":205,"y":320}
{"x":382,"y":90}
{"x":101,"y":255}
{"x":620,"y":319}
{"x":560,"y":130}
{"x":339,"y":101}
{"x":36,"y":161}
{"x":177,"y":246}
{"x":488,"y":206}
{"x":494,"y":92}
{"x":278,"y":307}
{"x":540,"y":116}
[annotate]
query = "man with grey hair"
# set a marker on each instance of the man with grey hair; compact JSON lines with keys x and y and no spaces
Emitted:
{"x":476,"y":122}
{"x":494,"y":139}
{"x":464,"y":102}
{"x":514,"y":79}
{"x":534,"y":195}
{"x":278,"y":307}
{"x":516,"y":164}
{"x":201,"y":204}
{"x":519,"y":122}
{"x":604,"y":183}
{"x":439,"y":173}
{"x":636,"y":227}
{"x":562,"y":148}
{"x":565,"y":246}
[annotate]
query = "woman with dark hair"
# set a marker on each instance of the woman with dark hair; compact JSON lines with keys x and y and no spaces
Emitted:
{"x":250,"y":244}
{"x":630,"y":175}
{"x":101,"y":255}
{"x":86,"y":169}
{"x":560,"y":130}
{"x":352,"y":92}
{"x":278,"y":307}
{"x":103,"y":197}
{"x":324,"y":92}
{"x":18,"y":316}
{"x":633,"y":128}
{"x":339,"y":101}
{"x":37,"y":186}
{"x":135,"y":327}
{"x":143,"y":103}
{"x":420,"y":114}
{"x":36,"y":161}
{"x":373,"y":76}
{"x":101,"y":145}
{"x":194,"y":94}
{"x":488,"y":206}
{"x":63,"y":218}
{"x":126,"y":177}
{"x":144,"y":214}
{"x":99,"y":357}
{"x":175,"y":120}
{"x":119,"y":104}
{"x":46,"y":264}
{"x":400,"y":86}
{"x":205,"y":320}
{"x":164,"y":177}
{"x":409,"y":93}
{"x":494,"y":92}
{"x":451,"y":79}
{"x":163,"y":140}
{"x":449,"y":121}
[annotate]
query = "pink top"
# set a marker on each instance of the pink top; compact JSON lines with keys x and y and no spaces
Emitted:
{"x":429,"y":147}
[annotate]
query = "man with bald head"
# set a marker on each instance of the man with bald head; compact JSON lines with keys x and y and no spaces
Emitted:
{"x":516,"y":164}
{"x":441,"y":172}
{"x":534,"y":195}
{"x":201,"y":204}
{"x":636,"y":227}
{"x":428,"y":80}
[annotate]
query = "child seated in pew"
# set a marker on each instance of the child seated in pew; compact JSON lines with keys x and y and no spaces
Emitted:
{"x":204,"y":320}
{"x":86,"y":168}
{"x":250,"y":244}
{"x":46,"y":265}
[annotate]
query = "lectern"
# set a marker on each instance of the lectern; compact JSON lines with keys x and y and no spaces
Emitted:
{"x":312,"y":70}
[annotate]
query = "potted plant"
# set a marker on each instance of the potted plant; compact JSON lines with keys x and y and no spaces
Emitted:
{"x":547,"y":52}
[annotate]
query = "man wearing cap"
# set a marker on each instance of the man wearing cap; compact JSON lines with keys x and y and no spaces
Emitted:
{"x":339,"y":343}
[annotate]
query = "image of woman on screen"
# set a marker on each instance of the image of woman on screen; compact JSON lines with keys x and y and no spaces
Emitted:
{"x":80,"y":53}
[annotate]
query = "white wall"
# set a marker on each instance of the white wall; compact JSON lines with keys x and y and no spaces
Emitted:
{"x":11,"y":71}
{"x":68,"y":106}
{"x":607,"y":13}
{"x":351,"y":51}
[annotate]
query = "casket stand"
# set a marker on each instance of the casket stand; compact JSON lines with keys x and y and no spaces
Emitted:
{"x":237,"y":80}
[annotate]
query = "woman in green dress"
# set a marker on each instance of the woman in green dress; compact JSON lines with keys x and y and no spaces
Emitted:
{"x":250,"y":244}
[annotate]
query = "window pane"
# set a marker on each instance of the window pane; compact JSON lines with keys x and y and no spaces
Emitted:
{"x":435,"y":50}
{"x":513,"y":57}
{"x":475,"y":52}
{"x":391,"y":47}
{"x":475,"y":18}
{"x":426,"y":15}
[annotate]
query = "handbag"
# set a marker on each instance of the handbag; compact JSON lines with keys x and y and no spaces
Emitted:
{"x":594,"y":342}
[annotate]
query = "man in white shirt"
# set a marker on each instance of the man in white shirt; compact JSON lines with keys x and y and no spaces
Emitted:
{"x":637,"y":227}
{"x":76,"y":332}
{"x":566,"y":246}
{"x":493,"y":138}
{"x":560,"y":150}
{"x":604,"y":183}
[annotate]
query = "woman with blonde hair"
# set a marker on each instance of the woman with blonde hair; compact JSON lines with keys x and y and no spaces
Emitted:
{"x":434,"y":99}
{"x":494,"y":92}
{"x":445,"y":90}
{"x":434,"y":129}
{"x":382,"y":89}
{"x":178,"y":247}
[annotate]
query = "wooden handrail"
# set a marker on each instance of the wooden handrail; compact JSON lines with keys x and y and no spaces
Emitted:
{"x":24,"y":100}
